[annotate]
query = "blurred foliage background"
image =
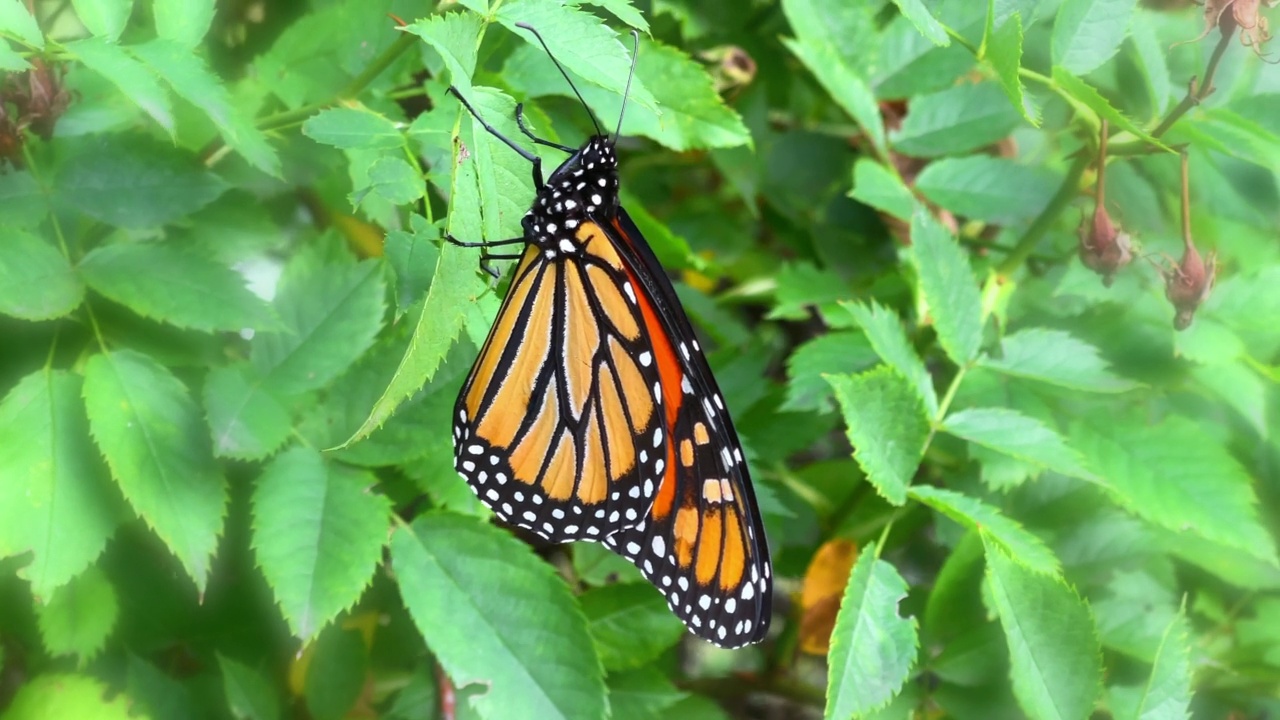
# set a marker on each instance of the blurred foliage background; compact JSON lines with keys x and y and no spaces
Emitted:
{"x":939,"y":252}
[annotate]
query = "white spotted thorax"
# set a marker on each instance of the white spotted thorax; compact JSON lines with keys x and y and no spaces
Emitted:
{"x":585,"y":186}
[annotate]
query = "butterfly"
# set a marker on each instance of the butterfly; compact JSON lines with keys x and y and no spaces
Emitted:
{"x":592,"y":414}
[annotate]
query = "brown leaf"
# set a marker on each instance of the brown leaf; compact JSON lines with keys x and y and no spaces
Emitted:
{"x":823,"y":589}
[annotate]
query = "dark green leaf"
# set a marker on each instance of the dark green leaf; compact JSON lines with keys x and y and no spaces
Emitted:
{"x":630,"y":623}
{"x":413,"y":257}
{"x":841,"y":352}
{"x":335,"y":674}
{"x":249,"y":695}
{"x":644,"y":694}
{"x":246,"y":419}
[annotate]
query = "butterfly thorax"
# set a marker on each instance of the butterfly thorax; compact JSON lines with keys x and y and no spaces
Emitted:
{"x":583,"y":189}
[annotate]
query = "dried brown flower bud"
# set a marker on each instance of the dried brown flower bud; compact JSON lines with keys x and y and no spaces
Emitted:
{"x":1188,"y":284}
{"x":1246,"y":15}
{"x":1104,"y":248}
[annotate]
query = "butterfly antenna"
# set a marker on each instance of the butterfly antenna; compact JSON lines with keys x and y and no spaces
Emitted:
{"x":626,"y":93}
{"x":563,"y":73}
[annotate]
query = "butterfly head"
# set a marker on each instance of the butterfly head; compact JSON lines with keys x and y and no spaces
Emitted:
{"x":584,"y":187}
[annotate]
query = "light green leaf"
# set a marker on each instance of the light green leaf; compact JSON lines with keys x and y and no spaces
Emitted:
{"x":132,"y":77}
{"x":185,"y":22}
{"x":955,"y":121}
{"x":1150,"y":59}
{"x":165,"y":282}
{"x":36,"y":281}
{"x":873,"y":648}
{"x":104,"y":18}
{"x":331,"y":315}
{"x":10,"y":60}
{"x":353,"y":127}
{"x":456,"y":37}
{"x":16,"y":19}
{"x":975,"y":514}
{"x":1004,"y":52}
{"x":55,"y":499}
{"x":1175,"y":475}
{"x":837,"y":352}
{"x":919,"y":15}
{"x":1088,"y":32}
{"x":151,"y":433}
{"x":1167,"y":693}
{"x":1017,"y":435}
{"x":644,"y":694}
{"x":630,"y":624}
{"x":68,"y":696}
{"x":1057,"y":358}
{"x":843,"y":83}
{"x":318,"y":534}
{"x":458,"y":576}
{"x":79,"y":616}
{"x":886,"y":426}
{"x":246,"y":419}
{"x":23,"y":203}
{"x":623,"y":10}
{"x":1085,"y":93}
{"x":412,"y":256}
{"x":908,"y":64}
{"x":395,"y":180}
{"x":250,"y":696}
{"x":884,"y":331}
{"x":981,"y":187}
{"x":1054,"y":656}
{"x":881,"y":188}
{"x":948,"y":286}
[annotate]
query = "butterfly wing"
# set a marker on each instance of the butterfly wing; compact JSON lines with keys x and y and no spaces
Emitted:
{"x":559,"y":427}
{"x":703,"y":544}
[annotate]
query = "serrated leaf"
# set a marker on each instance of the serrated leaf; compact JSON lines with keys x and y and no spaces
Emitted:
{"x":67,"y":696}
{"x":838,"y":352}
{"x":152,"y":436}
{"x":1086,"y":94}
{"x":455,"y":36}
{"x":873,"y":647}
{"x":318,"y":534}
{"x":1054,"y":657}
{"x":353,"y":127}
{"x":1057,"y":358}
{"x":1167,"y":693}
{"x":16,"y":19}
{"x":955,"y":121}
{"x":877,"y":186}
{"x":183,"y":21}
{"x":395,"y":180}
{"x":993,"y":189}
{"x":489,"y":608}
{"x":55,"y":499}
{"x":884,"y":331}
{"x":919,"y":15}
{"x":948,"y":286}
{"x":886,"y":425}
{"x":246,"y":419}
{"x":1175,"y":475}
{"x":250,"y":696}
{"x":79,"y":616}
{"x":846,"y":86}
{"x":412,"y":256}
{"x":331,"y":314}
{"x":1087,"y":33}
{"x":36,"y":281}
{"x":167,"y":283}
{"x":1017,"y":435}
{"x":160,"y":695}
{"x":1004,"y":52}
{"x":130,"y":76}
{"x":104,"y":18}
{"x":974,"y":514}
{"x":630,"y":624}
{"x":623,"y":10}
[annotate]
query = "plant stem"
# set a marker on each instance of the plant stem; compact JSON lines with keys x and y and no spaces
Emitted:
{"x":1196,"y":93}
{"x":1186,"y":205}
{"x":1061,"y":199}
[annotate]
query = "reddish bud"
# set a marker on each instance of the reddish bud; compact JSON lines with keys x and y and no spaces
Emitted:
{"x":1188,"y":284}
{"x":1104,"y":248}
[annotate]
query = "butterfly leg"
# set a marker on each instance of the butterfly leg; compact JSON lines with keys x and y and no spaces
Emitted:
{"x":485,"y":255}
{"x":529,"y":133}
{"x":537,"y":161}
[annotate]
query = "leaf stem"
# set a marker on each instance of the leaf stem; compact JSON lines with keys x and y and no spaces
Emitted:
{"x":945,"y":404}
{"x":1061,"y":199}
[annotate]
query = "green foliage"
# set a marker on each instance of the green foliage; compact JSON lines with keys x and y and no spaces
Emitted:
{"x":232,"y":333}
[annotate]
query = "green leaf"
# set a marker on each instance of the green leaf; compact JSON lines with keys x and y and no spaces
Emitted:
{"x":36,"y":281}
{"x":250,"y":696}
{"x":630,"y":624}
{"x":16,"y":19}
{"x":395,"y":180}
{"x":456,"y":36}
{"x":192,"y":81}
{"x":167,"y":283}
{"x":1150,"y":59}
{"x":844,"y":83}
{"x":908,"y":64}
{"x":10,"y":60}
{"x":881,"y":188}
{"x":981,"y":187}
{"x":594,"y":564}
{"x":884,"y":331}
{"x":133,"y":181}
{"x":644,"y":694}
{"x":130,"y":76}
{"x":623,"y":10}
{"x":458,"y":577}
{"x":336,"y":674}
{"x":318,"y":534}
{"x":246,"y":419}
{"x":1175,"y":475}
{"x":56,"y":499}
{"x":948,"y":286}
{"x":1167,"y":693}
{"x":1057,"y":358}
{"x":886,"y":426}
{"x":974,"y":514}
{"x":1086,"y":94}
{"x":104,"y":18}
{"x":873,"y":648}
{"x":955,"y":121}
{"x":23,"y":203}
{"x":580,"y":41}
{"x":331,"y":314}
{"x":838,"y":352}
{"x":1004,"y":52}
{"x":919,"y":15}
{"x":1054,"y":656}
{"x":1017,"y":435}
{"x":160,"y":695}
{"x":354,"y":127}
{"x":151,"y":433}
{"x":79,"y":616}
{"x":413,"y":257}
{"x":185,"y":22}
{"x":1087,"y":33}
{"x":67,"y":696}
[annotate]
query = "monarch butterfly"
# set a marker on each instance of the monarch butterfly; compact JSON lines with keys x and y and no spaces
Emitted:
{"x":591,"y":413}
